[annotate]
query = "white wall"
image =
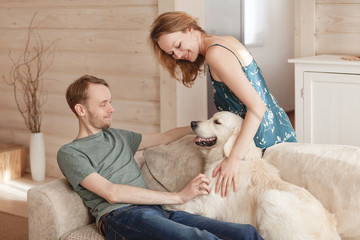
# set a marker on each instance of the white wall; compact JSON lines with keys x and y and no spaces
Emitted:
{"x":276,"y":47}
{"x":191,"y":102}
{"x":181,"y":105}
{"x":223,"y":17}
{"x":271,"y":24}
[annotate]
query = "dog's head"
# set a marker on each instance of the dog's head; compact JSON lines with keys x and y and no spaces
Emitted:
{"x":221,"y":130}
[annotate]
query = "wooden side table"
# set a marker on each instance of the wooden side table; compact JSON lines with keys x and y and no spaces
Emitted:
{"x":12,"y":161}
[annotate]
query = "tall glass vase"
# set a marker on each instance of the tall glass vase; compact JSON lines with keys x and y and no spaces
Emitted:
{"x":37,"y":156}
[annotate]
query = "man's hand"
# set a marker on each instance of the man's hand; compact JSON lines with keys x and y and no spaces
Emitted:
{"x":198,"y":186}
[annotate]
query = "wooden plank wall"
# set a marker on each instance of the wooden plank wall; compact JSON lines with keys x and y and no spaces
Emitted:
{"x":105,"y":38}
{"x":337,"y":27}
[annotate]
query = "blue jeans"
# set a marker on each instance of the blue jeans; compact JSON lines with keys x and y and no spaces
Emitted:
{"x":153,"y":222}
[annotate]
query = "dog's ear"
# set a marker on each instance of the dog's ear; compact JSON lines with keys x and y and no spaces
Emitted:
{"x":231,"y":141}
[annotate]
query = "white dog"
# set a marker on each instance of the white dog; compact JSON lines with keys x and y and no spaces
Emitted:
{"x":279,"y":210}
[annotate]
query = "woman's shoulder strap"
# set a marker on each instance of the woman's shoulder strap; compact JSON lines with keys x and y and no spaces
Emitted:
{"x":218,"y":44}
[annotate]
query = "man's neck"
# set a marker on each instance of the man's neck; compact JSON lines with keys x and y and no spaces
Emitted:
{"x":85,"y":131}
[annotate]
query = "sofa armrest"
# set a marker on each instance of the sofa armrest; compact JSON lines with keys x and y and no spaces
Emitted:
{"x":55,"y":209}
{"x":331,"y":173}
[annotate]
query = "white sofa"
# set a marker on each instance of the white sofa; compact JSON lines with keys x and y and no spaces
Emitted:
{"x":331,"y":173}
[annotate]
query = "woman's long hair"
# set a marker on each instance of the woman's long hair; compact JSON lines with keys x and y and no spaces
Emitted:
{"x":171,"y":22}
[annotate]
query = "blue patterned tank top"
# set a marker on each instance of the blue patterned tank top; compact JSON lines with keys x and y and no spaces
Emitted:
{"x":275,"y":126}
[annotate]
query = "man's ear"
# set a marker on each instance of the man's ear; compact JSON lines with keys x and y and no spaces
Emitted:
{"x":231,"y":141}
{"x":80,"y":110}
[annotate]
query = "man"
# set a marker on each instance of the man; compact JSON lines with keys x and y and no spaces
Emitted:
{"x":100,"y":166}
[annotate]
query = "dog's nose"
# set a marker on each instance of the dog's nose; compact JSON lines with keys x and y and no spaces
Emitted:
{"x":194,"y":124}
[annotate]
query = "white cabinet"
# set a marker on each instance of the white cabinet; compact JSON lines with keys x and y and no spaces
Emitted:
{"x":327,"y":100}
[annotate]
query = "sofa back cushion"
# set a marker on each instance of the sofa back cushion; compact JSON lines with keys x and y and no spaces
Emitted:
{"x":170,"y":167}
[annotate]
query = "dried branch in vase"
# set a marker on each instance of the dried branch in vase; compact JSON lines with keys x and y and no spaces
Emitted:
{"x":27,"y":77}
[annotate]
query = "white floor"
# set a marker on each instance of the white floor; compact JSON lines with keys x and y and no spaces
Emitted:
{"x":13,"y":194}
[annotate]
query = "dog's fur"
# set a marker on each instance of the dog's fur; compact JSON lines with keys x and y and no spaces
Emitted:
{"x":279,"y":210}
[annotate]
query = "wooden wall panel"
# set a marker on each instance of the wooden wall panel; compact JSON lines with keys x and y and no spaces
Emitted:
{"x":127,"y":111}
{"x":337,"y":27}
{"x":82,"y":40}
{"x":304,"y":18}
{"x":338,"y":1}
{"x":104,"y":38}
{"x":71,"y":3}
{"x":79,"y":17}
{"x":339,"y":43}
{"x":122,"y":64}
{"x":127,"y":87}
{"x":338,"y":18}
{"x":333,"y":29}
{"x":11,"y":117}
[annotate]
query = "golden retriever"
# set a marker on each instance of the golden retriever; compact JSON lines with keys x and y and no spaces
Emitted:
{"x":279,"y":210}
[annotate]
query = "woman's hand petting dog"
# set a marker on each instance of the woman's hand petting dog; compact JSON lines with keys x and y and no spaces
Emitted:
{"x":198,"y":186}
{"x":228,"y":171}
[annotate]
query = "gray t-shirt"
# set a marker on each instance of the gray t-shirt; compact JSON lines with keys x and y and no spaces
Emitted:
{"x":110,"y":153}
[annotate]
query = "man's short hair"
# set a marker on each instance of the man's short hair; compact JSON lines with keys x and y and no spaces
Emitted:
{"x":77,"y":91}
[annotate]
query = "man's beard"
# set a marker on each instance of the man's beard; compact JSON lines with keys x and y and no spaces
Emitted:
{"x":97,"y":122}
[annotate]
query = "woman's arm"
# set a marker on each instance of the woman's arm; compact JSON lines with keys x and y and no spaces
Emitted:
{"x":226,"y":68}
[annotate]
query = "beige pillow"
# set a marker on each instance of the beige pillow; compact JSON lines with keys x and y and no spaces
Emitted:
{"x":170,"y":167}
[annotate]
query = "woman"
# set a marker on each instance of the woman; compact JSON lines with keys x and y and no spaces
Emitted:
{"x":182,"y":46}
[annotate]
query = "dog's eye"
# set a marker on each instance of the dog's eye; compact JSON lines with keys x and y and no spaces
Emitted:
{"x":217,"y":121}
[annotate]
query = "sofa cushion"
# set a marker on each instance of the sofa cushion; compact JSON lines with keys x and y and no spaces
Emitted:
{"x":330,"y":172}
